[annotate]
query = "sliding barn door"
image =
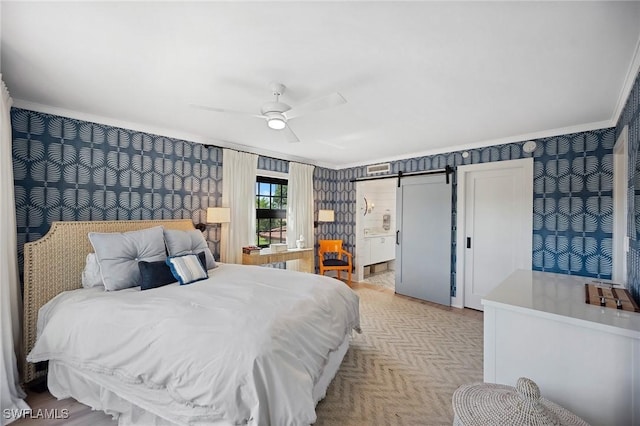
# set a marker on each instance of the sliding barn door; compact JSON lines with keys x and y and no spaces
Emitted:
{"x":423,"y":240}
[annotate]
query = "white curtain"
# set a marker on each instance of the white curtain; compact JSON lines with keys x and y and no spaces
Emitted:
{"x":300,"y":204}
{"x":10,"y":302}
{"x":238,"y":193}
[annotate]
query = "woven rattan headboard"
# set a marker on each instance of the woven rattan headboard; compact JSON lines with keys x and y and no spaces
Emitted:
{"x":54,"y":264}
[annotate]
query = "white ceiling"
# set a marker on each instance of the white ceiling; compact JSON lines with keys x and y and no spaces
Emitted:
{"x":419,"y":77}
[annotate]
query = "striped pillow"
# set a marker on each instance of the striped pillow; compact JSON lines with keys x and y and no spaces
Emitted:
{"x":187,"y":268}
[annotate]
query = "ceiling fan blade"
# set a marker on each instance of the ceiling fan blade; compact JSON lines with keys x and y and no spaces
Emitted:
{"x":288,"y":133}
{"x":229,"y":111}
{"x":324,"y":102}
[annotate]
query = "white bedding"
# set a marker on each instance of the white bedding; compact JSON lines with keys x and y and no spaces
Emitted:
{"x":245,"y":346}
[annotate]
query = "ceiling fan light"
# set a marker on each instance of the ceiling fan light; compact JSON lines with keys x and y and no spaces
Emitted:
{"x":276,"y":123}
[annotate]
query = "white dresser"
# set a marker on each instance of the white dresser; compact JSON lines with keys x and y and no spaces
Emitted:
{"x":584,"y":357}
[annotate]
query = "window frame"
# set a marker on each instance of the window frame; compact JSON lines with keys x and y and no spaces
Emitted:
{"x":271,"y":214}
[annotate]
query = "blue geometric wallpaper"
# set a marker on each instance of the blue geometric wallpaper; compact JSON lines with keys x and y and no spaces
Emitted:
{"x":572,"y":215}
{"x":631,"y":116}
{"x":67,"y":169}
{"x":273,"y":164}
{"x":573,"y":204}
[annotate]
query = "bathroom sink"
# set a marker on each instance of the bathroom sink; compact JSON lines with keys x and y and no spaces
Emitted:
{"x":375,"y":232}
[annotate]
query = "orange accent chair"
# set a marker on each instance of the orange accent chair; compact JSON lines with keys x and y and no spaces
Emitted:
{"x":334,"y":264}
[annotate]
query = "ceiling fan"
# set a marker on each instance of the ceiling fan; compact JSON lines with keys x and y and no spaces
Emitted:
{"x":277,"y":114}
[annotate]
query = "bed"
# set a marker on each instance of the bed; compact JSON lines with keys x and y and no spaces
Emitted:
{"x":247,"y":345}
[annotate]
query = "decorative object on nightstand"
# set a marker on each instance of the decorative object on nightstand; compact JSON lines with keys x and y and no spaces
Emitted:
{"x":278,"y":247}
{"x":251,"y":250}
{"x":300,"y":242}
{"x":334,"y":264}
{"x":483,"y":404}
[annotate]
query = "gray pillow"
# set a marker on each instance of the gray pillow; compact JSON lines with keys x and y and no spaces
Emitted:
{"x":180,"y":243}
{"x":119,"y":253}
{"x":91,"y":274}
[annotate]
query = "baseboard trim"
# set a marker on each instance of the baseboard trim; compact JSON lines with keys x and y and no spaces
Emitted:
{"x":456,"y":303}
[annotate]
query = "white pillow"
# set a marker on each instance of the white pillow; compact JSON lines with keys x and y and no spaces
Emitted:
{"x":118,"y":254}
{"x":91,"y":274}
{"x":188,"y":242}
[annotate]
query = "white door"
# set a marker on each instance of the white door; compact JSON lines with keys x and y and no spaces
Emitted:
{"x":497,"y":225}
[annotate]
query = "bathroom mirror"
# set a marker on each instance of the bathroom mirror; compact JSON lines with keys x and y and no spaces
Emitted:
{"x":368,"y":206}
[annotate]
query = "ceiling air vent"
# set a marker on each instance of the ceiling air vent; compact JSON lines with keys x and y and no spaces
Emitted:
{"x":378,"y":168}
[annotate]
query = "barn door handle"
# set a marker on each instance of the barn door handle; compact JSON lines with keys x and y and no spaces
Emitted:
{"x":469,"y":242}
{"x":398,"y":237}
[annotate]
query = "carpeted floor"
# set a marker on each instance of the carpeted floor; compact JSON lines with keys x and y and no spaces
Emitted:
{"x":406,"y":364}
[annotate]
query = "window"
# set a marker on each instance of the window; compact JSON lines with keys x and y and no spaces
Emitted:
{"x":271,"y":210}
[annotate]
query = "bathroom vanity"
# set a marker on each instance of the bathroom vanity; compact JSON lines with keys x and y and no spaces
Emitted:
{"x":379,"y":246}
{"x":584,"y":357}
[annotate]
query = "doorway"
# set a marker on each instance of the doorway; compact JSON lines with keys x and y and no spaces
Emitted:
{"x":375,"y":232}
{"x":494,"y":226}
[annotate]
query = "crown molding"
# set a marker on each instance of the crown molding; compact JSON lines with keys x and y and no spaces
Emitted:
{"x":632,"y":74}
{"x":172,"y":133}
{"x":160,"y":131}
{"x":492,"y":142}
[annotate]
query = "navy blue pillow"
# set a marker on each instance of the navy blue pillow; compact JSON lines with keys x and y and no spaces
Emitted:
{"x":157,"y":274}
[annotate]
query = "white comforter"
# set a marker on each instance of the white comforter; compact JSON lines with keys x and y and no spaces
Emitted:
{"x":244,"y":346}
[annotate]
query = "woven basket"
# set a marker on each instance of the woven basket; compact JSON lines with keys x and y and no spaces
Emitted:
{"x":485,"y":404}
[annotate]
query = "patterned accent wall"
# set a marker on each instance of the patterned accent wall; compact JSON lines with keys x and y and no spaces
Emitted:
{"x":67,"y":169}
{"x":573,"y":205}
{"x":631,"y":116}
{"x":573,"y":177}
{"x":325,"y":190}
{"x":273,"y":164}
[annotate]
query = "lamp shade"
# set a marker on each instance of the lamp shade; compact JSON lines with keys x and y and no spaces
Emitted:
{"x":326,"y":216}
{"x":218,"y":215}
